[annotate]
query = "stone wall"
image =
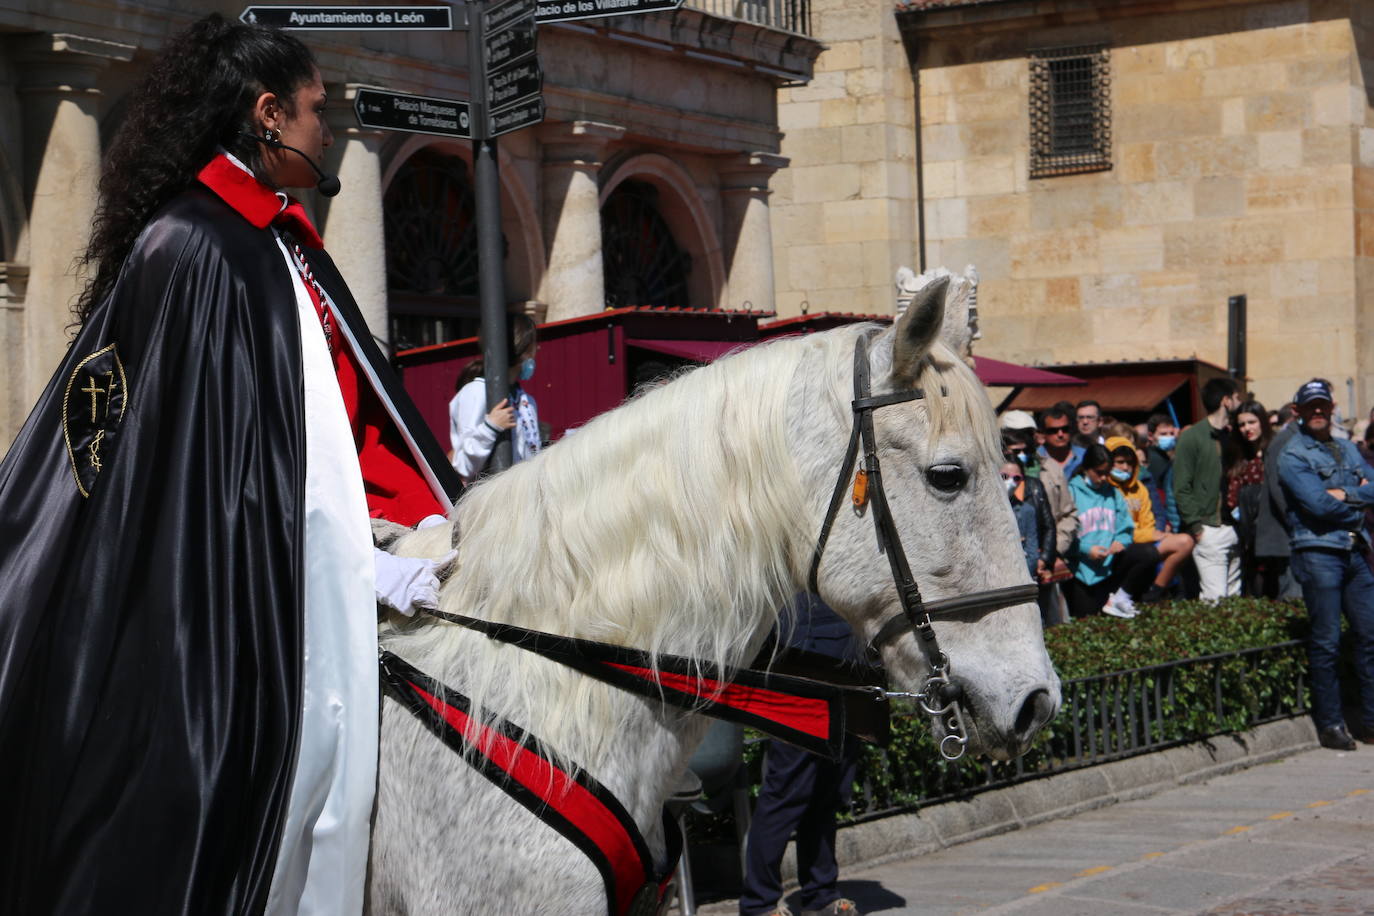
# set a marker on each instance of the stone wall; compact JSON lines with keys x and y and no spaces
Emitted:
{"x":1363,"y":24}
{"x":844,"y":210}
{"x":1241,"y":144}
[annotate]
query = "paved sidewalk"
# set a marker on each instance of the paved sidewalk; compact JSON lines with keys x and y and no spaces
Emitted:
{"x":1288,"y":838}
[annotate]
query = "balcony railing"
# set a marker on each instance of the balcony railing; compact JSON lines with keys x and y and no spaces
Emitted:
{"x":787,"y":15}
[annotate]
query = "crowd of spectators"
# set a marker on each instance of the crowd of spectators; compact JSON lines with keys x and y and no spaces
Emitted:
{"x":1114,"y":515}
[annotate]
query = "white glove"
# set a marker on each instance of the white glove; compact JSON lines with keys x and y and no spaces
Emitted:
{"x":406,"y":584}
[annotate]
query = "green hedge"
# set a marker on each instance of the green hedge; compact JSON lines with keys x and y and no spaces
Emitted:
{"x":910,"y":771}
{"x":1121,"y":714}
{"x":1168,"y":632}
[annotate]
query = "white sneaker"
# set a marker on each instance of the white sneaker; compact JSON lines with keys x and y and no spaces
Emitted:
{"x":1123,"y":603}
{"x":1111,"y":610}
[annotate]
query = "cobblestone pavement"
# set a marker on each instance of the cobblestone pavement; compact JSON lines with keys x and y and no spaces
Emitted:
{"x":1289,"y":838}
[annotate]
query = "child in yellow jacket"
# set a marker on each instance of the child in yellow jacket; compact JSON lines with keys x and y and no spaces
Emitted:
{"x":1172,"y":548}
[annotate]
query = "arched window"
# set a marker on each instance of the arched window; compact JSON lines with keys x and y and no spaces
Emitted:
{"x":644,"y":265}
{"x":431,"y":251}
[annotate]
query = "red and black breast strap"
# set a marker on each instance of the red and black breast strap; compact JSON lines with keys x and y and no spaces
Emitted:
{"x":576,"y":805}
{"x":811,"y":714}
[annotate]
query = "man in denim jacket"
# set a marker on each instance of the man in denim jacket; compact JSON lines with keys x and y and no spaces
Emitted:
{"x":1328,"y":486}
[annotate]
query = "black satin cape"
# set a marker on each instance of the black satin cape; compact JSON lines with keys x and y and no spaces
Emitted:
{"x":151,"y":632}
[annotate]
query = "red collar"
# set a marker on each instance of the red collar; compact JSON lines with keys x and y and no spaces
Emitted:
{"x":256,"y":202}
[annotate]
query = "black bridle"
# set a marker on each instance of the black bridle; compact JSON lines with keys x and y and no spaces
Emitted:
{"x":939,"y":697}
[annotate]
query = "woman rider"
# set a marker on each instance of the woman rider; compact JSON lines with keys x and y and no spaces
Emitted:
{"x":187,"y":628}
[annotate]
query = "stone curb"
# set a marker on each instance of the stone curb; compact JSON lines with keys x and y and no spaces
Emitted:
{"x":1061,"y":795}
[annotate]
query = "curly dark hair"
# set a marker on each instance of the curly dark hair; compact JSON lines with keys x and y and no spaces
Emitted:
{"x":198,"y":96}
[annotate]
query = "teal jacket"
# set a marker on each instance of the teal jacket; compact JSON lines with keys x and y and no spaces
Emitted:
{"x":1103,"y":517}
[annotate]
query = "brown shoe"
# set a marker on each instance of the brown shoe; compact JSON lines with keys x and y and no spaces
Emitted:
{"x":840,"y":907}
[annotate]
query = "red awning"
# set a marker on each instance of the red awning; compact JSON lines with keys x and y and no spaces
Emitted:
{"x":1113,"y":392}
{"x":997,"y":374}
{"x":698,"y":351}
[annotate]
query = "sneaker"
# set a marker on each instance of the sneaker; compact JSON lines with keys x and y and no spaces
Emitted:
{"x":1154,"y":594}
{"x":1123,"y":603}
{"x":1337,"y":738}
{"x":840,"y":907}
{"x":1111,"y":609}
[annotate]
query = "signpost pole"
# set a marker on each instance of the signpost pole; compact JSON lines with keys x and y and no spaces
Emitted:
{"x":490,"y":270}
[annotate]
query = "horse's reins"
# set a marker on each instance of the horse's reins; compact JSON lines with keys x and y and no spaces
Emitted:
{"x":939,"y":697}
{"x":691,"y":685}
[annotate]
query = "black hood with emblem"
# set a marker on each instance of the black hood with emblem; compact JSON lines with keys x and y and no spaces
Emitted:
{"x":151,"y":608}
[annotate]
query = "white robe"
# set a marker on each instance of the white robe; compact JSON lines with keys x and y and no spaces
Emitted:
{"x":322,"y":863}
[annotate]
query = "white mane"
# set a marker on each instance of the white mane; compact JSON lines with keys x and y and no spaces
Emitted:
{"x":676,"y":524}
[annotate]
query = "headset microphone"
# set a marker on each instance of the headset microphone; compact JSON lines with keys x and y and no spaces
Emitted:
{"x":328,"y":185}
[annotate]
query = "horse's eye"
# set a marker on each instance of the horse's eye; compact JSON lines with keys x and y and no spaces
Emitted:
{"x":947,"y":477}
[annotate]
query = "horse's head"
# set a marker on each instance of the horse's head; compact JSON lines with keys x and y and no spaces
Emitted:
{"x":939,"y":459}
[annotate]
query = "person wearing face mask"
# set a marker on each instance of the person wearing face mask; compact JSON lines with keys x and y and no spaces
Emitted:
{"x":1104,"y":530}
{"x":1154,"y":556}
{"x":473,"y":430}
{"x":1049,"y":492}
{"x":1031,"y":506}
{"x":1159,"y":461}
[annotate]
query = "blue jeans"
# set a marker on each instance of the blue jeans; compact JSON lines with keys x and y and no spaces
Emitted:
{"x":1334,"y":581}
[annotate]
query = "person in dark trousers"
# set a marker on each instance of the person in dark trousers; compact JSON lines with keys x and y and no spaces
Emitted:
{"x":1328,"y":487}
{"x":801,"y":792}
{"x":1038,"y":536}
{"x":1272,"y":545}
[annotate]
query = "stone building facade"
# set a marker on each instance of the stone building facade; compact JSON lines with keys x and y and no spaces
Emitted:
{"x":844,"y":212}
{"x":1236,"y":155}
{"x":660,"y":141}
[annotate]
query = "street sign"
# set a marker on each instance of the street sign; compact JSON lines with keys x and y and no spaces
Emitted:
{"x":510,"y":44}
{"x":514,"y":84}
{"x":416,"y":114}
{"x":354,"y":18}
{"x":504,"y":14}
{"x":567,"y":10}
{"x":516,"y":117}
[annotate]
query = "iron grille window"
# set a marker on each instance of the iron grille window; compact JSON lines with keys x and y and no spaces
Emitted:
{"x":1070,"y":111}
{"x":431,"y":251}
{"x":643,"y":262}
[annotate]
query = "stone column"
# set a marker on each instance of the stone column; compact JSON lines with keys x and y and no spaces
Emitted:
{"x":575,"y":282}
{"x":60,"y":105}
{"x":748,"y":235}
{"x":352,"y":224}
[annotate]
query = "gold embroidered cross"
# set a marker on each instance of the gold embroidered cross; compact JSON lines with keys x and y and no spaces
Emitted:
{"x":95,"y":391}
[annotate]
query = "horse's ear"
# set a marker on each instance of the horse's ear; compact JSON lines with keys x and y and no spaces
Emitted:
{"x":917,"y":328}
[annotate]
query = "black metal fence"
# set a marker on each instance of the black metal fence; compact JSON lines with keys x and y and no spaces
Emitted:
{"x":1103,"y":718}
{"x":788,"y":15}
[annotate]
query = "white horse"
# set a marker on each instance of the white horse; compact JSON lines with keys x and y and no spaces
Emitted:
{"x":680,"y":523}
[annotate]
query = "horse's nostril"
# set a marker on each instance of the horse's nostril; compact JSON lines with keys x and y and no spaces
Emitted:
{"x":1035,"y":711}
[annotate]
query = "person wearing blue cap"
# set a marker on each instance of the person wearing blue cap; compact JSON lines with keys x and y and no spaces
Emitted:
{"x":1328,"y":486}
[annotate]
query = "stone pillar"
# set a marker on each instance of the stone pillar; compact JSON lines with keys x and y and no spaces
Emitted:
{"x":748,"y":235}
{"x":575,"y":282}
{"x":352,"y":224}
{"x":60,"y":105}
